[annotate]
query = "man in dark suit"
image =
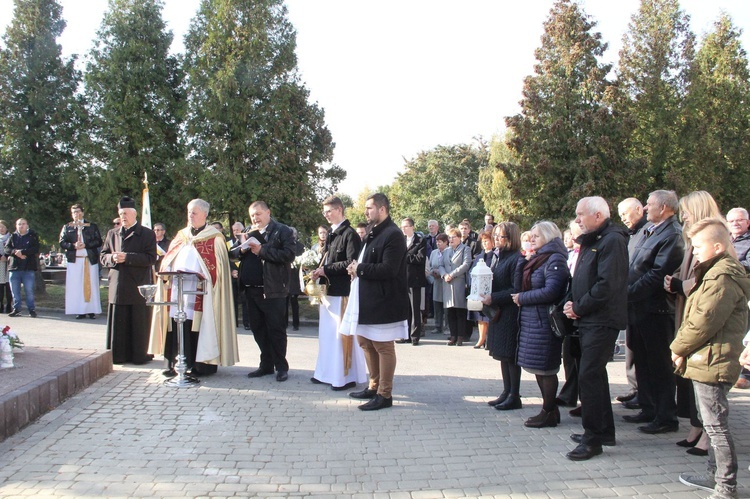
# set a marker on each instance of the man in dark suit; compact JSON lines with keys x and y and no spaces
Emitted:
{"x":130,"y":253}
{"x":415,"y":277}
{"x":634,"y":217}
{"x":383,"y":302}
{"x":651,"y":314}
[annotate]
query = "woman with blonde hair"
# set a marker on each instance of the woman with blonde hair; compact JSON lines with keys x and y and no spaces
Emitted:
{"x":694,"y":207}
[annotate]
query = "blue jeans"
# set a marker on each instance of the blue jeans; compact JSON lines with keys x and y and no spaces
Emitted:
{"x":713,"y":410}
{"x":26,"y":277}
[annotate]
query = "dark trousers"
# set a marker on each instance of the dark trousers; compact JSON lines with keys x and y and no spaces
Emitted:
{"x":597,"y":345}
{"x":240,"y":300}
{"x":190,"y":342}
{"x":571,"y":355}
{"x":456,"y":318}
{"x":268,"y":323}
{"x":415,"y":319}
{"x":649,"y":337}
{"x":128,"y":333}
{"x":6,"y":296}
{"x":293,"y":303}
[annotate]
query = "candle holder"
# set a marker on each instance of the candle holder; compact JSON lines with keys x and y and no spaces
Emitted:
{"x":148,"y":291}
{"x":481,"y":284}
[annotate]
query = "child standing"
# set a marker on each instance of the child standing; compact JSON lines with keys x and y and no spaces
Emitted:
{"x":708,"y":346}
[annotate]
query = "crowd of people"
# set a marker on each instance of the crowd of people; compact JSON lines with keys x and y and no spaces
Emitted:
{"x":673,"y":278}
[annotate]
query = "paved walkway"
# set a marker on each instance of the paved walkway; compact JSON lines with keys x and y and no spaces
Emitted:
{"x":130,"y":436}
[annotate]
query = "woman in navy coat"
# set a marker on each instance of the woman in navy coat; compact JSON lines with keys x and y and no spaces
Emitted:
{"x":542,"y":280}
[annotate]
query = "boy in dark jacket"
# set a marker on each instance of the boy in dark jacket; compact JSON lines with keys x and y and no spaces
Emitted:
{"x":708,"y":346}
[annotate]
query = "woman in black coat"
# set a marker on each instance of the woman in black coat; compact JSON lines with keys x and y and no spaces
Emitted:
{"x":502,"y":340}
{"x":542,"y":280}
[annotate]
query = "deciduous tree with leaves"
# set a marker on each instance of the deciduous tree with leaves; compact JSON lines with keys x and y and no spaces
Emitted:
{"x":440,"y":184}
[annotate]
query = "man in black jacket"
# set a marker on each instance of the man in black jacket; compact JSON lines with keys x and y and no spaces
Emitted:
{"x":341,"y":361}
{"x":81,"y":241}
{"x":651,"y":314}
{"x":264,"y":275}
{"x":22,"y":250}
{"x":599,"y":307}
{"x":416,"y":279}
{"x":383,"y":301}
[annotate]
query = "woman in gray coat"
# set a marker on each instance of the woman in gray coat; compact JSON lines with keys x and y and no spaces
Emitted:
{"x":456,"y":263}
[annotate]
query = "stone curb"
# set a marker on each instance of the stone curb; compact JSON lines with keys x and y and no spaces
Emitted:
{"x":27,"y":403}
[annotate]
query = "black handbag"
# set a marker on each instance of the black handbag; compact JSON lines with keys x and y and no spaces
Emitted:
{"x":560,"y":323}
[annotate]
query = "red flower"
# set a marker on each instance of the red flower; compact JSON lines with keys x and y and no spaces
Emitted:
{"x":6,"y":329}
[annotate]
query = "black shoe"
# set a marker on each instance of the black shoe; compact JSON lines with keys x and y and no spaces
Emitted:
{"x":92,"y":316}
{"x":14,"y":313}
{"x":347,"y":386}
{"x":402,"y":341}
{"x":295,"y":328}
{"x":627,"y":397}
{"x":364,"y":394}
{"x":638,"y":418}
{"x":655,"y":428}
{"x":608,"y":441}
{"x":316,"y":381}
{"x":633,"y":404}
{"x":543,"y":420}
{"x":697,"y":451}
{"x":499,"y":400}
{"x":584,"y":452}
{"x":169,"y":373}
{"x":576,"y":413}
{"x":415,"y":342}
{"x":379,"y":402}
{"x":689,"y":443}
{"x":511,"y":403}
{"x":32,"y":313}
{"x":259,"y":373}
{"x":80,"y":316}
{"x":282,"y":375}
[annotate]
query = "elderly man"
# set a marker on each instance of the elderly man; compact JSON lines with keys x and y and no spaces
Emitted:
{"x":651,"y":314}
{"x":634,"y":217}
{"x":379,"y":308}
{"x":22,"y":250}
{"x":599,"y":307}
{"x":209,"y":334}
{"x":129,"y":252}
{"x":341,"y":361}
{"x":265,"y":268}
{"x":80,"y":240}
{"x":739,"y":229}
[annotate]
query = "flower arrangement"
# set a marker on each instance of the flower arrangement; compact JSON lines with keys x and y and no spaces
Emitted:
{"x":12,"y":338}
{"x":307,"y":262}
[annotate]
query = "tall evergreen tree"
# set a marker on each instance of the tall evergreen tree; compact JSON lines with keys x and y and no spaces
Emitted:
{"x":41,"y":119}
{"x":137,"y":104}
{"x":716,"y":122}
{"x":652,"y":79}
{"x":567,"y":142}
{"x":252,"y":129}
{"x":442,"y":184}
